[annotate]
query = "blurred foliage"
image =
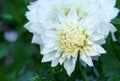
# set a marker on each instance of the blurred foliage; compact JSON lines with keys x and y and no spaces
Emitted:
{"x":21,"y":61}
{"x":111,"y":60}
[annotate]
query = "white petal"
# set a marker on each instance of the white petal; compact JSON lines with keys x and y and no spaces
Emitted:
{"x":61,"y":18}
{"x":58,"y":53}
{"x":110,"y":14}
{"x":61,"y":60}
{"x":90,"y":42}
{"x":32,"y":5}
{"x":99,"y":49}
{"x":69,"y":66}
{"x":28,"y":27}
{"x":46,"y":50}
{"x":104,"y":28}
{"x":52,"y":34}
{"x":37,"y":39}
{"x":67,"y":55}
{"x":100,"y":42}
{"x":75,"y":53}
{"x":94,"y":50}
{"x":113,"y":30}
{"x":36,"y":14}
{"x":48,"y":57}
{"x":44,"y":4}
{"x":90,"y":51}
{"x":113,"y":37}
{"x":97,"y":37}
{"x":72,"y":17}
{"x":91,"y":21}
{"x":34,"y":28}
{"x":31,"y":16}
{"x":85,"y":58}
{"x":54,"y":62}
{"x":49,"y":41}
{"x":108,"y":3}
{"x":74,"y":59}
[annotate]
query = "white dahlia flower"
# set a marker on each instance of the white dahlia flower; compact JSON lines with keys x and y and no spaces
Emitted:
{"x":44,"y":10}
{"x":67,"y":38}
{"x":68,"y":29}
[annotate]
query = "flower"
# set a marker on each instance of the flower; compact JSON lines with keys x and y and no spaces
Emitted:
{"x":108,"y":9}
{"x":109,"y":12}
{"x":48,"y":10}
{"x":69,"y":29}
{"x":68,"y":38}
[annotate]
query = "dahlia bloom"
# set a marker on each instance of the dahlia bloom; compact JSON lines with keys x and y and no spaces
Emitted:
{"x":48,"y":10}
{"x":68,"y":29}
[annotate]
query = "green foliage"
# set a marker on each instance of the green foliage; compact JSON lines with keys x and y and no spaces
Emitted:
{"x":111,"y":60}
{"x":116,"y":21}
{"x":3,"y":50}
{"x":117,"y":34}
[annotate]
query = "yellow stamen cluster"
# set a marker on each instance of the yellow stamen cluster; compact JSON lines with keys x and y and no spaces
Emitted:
{"x":72,"y":38}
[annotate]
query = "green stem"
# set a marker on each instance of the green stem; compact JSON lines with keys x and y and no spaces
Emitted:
{"x":83,"y":73}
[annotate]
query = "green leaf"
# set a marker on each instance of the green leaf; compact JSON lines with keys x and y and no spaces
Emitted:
{"x":117,"y":35}
{"x":22,"y":56}
{"x":101,"y":78}
{"x":118,"y":4}
{"x":114,"y":78}
{"x":110,"y":64}
{"x":3,"y":74}
{"x":116,"y":22}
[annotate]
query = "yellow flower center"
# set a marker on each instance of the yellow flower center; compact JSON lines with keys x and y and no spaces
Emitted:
{"x":72,"y":38}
